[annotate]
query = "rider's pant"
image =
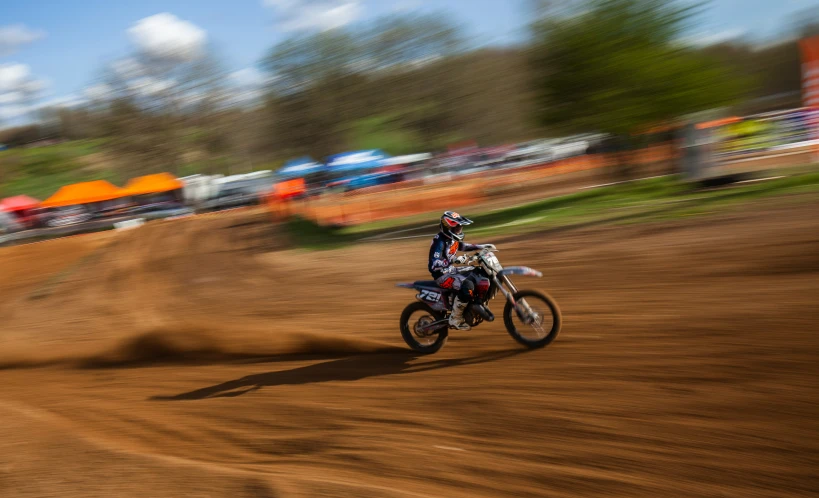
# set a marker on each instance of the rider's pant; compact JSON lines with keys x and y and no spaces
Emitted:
{"x":464,"y":283}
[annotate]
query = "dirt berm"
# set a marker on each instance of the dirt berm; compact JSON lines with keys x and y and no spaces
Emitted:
{"x":202,"y":357}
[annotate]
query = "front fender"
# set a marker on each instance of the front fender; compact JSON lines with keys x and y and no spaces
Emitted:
{"x":520,"y":270}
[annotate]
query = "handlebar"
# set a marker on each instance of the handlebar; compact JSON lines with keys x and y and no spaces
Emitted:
{"x":486,"y":250}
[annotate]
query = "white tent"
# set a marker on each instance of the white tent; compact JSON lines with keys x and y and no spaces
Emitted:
{"x":408,"y":159}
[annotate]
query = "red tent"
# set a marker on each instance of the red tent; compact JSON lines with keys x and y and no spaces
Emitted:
{"x":21,"y":207}
{"x":18,"y":203}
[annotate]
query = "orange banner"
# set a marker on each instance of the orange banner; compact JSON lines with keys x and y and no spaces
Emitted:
{"x":810,"y":71}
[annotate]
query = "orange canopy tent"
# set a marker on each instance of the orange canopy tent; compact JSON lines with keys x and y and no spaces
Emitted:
{"x":290,"y":188}
{"x":152,"y":184}
{"x":83,"y":193}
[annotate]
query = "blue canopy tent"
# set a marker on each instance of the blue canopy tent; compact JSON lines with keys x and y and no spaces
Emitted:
{"x":354,"y":169}
{"x":300,"y":167}
{"x":354,"y":161}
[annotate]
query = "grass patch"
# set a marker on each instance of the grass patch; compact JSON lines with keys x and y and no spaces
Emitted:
{"x":584,"y":203}
{"x":42,"y":187}
{"x":310,"y":235}
{"x":650,"y":200}
{"x":585,"y":200}
{"x":734,"y":196}
{"x":418,"y":220}
{"x":41,"y":171}
{"x":654,"y":199}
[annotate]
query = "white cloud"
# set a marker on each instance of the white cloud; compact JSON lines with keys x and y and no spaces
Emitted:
{"x":248,"y":76}
{"x":246,"y":86}
{"x":64,"y":101}
{"x":705,"y":39}
{"x":99,"y":91}
{"x":11,"y":97}
{"x":19,"y":90}
{"x":164,"y":36}
{"x":147,"y":86}
{"x":312,"y":15}
{"x":10,"y":112}
{"x":34,"y":86}
{"x":17,"y":79}
{"x":127,"y":68}
{"x":12,"y":76}
{"x":14,"y":36}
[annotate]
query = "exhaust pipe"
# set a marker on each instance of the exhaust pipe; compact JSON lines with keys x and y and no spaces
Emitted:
{"x":484,"y":312}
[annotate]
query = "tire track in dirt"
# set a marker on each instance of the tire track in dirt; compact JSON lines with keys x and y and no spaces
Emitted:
{"x":107,"y":446}
{"x":241,"y":371}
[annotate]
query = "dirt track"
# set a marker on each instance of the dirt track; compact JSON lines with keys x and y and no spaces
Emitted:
{"x":185,"y":359}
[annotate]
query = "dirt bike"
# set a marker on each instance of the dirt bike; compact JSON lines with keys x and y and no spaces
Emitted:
{"x":531,"y":318}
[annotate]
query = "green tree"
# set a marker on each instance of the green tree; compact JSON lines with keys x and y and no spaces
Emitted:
{"x":618,"y":66}
{"x":329,"y":90}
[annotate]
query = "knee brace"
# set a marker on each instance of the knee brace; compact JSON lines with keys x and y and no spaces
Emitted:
{"x":467,"y":290}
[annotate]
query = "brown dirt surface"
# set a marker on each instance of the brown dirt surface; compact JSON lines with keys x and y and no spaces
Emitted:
{"x":200,"y":357}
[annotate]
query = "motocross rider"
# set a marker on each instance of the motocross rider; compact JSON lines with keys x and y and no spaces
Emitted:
{"x":442,"y":258}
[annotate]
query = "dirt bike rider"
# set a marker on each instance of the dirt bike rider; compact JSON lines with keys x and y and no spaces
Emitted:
{"x":441,"y":264}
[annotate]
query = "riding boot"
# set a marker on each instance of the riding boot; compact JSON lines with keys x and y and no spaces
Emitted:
{"x":456,"y":318}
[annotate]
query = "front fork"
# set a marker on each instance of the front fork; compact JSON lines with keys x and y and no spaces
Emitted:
{"x":521,"y":308}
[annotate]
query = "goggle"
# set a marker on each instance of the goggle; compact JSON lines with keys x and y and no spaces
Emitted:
{"x":454,"y":225}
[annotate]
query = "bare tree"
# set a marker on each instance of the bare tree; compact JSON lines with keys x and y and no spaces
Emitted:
{"x":153,"y":108}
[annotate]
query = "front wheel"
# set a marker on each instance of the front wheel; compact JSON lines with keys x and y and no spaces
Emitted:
{"x":415,"y":316}
{"x":541,"y":326}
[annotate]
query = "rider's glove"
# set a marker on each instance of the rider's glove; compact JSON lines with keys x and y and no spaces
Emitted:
{"x":463,"y":259}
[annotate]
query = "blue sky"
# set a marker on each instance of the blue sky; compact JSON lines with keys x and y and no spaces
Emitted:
{"x":63,"y":44}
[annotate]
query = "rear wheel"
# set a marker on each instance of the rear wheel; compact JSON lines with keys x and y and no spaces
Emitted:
{"x":415,"y":316}
{"x":543,"y":325}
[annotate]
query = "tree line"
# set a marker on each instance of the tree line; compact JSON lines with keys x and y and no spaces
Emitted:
{"x":416,"y":82}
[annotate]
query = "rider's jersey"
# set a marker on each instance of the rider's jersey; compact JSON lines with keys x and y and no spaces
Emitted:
{"x":442,"y":252}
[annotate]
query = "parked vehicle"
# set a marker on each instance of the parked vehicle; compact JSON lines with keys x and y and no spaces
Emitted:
{"x":64,"y":216}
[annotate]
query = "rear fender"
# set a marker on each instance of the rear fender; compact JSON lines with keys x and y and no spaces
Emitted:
{"x":422,"y":288}
{"x":520,"y":270}
{"x":436,"y":298}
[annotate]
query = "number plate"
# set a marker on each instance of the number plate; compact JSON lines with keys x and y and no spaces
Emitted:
{"x":430,"y":296}
{"x":492,"y":262}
